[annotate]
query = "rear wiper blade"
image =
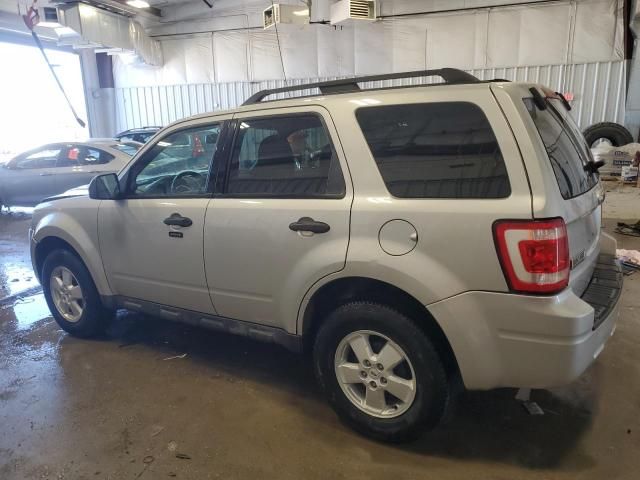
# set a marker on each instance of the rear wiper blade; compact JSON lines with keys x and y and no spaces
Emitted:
{"x":592,"y":166}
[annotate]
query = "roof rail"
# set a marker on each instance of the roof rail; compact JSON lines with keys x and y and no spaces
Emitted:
{"x":449,"y":75}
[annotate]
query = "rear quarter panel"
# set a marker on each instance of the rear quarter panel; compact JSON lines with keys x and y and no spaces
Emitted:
{"x":582,"y":214}
{"x":455,"y":250}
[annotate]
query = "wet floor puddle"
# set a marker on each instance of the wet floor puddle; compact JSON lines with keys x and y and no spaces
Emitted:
{"x":26,"y":311}
{"x":15,"y":277}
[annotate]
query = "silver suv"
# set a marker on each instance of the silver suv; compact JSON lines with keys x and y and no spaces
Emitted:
{"x":412,"y":238}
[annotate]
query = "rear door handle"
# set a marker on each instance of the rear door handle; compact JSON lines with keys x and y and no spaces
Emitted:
{"x":178,"y":220}
{"x":46,"y":174}
{"x":308,"y":224}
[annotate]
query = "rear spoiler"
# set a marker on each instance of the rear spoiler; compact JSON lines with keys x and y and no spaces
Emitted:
{"x":540,"y":100}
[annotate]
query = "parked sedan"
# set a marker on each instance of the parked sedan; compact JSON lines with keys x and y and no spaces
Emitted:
{"x":141,"y":135}
{"x":57,"y":167}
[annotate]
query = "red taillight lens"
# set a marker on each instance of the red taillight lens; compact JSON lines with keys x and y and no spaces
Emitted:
{"x":534,"y":254}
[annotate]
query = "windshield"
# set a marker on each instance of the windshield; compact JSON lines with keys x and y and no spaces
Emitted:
{"x":565,"y":146}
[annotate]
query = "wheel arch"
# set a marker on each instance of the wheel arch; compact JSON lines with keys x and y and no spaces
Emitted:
{"x":49,"y":237}
{"x":347,"y":289}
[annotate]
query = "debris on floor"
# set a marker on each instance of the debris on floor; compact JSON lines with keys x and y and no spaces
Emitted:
{"x":630,"y":260}
{"x":183,"y":456}
{"x":524,"y":397}
{"x":629,"y":229}
{"x":177,"y":356}
{"x":533,"y":408}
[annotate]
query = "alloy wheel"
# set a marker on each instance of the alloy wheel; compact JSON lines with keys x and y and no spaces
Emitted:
{"x":66,"y":293}
{"x":375,"y":374}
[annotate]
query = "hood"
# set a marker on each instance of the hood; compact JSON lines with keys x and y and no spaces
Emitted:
{"x":82,"y":191}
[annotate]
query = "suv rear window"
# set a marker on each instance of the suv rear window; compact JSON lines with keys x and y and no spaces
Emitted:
{"x":566,"y":148}
{"x":435,"y":150}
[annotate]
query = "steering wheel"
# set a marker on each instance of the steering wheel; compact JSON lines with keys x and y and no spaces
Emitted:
{"x":187,"y":182}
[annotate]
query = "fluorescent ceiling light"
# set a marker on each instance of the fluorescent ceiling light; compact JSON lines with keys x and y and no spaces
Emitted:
{"x":138,"y":3}
{"x":302,"y":13}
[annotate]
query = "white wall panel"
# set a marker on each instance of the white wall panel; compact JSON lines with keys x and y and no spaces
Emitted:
{"x":336,"y":53}
{"x":563,"y":32}
{"x":265,"y":62}
{"x":599,"y":90}
{"x":409,"y":37}
{"x":230,"y":56}
{"x":299,"y":51}
{"x":371,"y":47}
{"x":544,"y":34}
{"x":598,"y":30}
{"x":451,"y":40}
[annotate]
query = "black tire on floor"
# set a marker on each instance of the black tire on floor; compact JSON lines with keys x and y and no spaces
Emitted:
{"x":432,"y":386}
{"x":615,"y":133}
{"x":94,"y":316}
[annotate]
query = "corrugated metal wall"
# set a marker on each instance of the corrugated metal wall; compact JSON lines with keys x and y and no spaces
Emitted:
{"x":599,"y":93}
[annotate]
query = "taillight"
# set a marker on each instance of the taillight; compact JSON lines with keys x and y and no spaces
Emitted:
{"x":534,"y":254}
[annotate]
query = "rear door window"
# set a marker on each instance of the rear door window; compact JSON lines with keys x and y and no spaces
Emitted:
{"x":79,"y":155}
{"x":284,"y":156}
{"x":43,"y":158}
{"x":435,"y":150}
{"x":565,"y":146}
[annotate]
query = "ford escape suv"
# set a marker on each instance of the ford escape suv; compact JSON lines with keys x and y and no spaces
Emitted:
{"x":412,"y":238}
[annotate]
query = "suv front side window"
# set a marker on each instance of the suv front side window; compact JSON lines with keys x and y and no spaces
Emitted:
{"x":284,"y":156}
{"x":176,"y":166}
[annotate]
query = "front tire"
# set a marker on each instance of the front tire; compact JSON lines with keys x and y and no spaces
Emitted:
{"x":72,"y":296}
{"x":380,"y":372}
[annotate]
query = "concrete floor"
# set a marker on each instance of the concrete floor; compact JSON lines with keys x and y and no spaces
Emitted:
{"x":122,"y":408}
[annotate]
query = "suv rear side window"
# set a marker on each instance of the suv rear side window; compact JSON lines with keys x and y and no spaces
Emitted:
{"x":565,"y":146}
{"x":435,"y":150}
{"x":284,"y":156}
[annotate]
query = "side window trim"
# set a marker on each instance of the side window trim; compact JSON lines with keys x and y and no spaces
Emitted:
{"x":130,"y":174}
{"x":219,"y":176}
{"x":233,"y":138}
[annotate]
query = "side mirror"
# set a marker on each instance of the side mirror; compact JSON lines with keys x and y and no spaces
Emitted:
{"x":105,"y":187}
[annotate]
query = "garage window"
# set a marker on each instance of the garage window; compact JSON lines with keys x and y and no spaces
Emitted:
{"x":435,"y":150}
{"x":284,"y":156}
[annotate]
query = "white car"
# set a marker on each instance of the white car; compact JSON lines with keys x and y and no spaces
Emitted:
{"x":51,"y":169}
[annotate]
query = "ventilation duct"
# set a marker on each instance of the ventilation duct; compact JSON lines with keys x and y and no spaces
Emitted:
{"x":352,"y":10}
{"x":114,"y":34}
{"x":279,"y":13}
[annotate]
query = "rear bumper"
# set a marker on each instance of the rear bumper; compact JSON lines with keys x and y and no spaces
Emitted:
{"x":508,"y":340}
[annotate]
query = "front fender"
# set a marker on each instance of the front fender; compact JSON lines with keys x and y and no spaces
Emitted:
{"x":81,"y":234}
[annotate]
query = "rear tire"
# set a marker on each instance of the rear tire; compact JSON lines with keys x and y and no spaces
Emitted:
{"x":401,"y":361}
{"x":613,"y":133}
{"x":72,"y":296}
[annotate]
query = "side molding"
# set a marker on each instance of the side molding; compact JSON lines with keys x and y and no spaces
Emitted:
{"x":213,"y":322}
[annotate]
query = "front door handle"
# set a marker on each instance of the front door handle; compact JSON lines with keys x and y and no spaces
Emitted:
{"x":178,"y":220}
{"x":46,"y":174}
{"x":308,"y":224}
